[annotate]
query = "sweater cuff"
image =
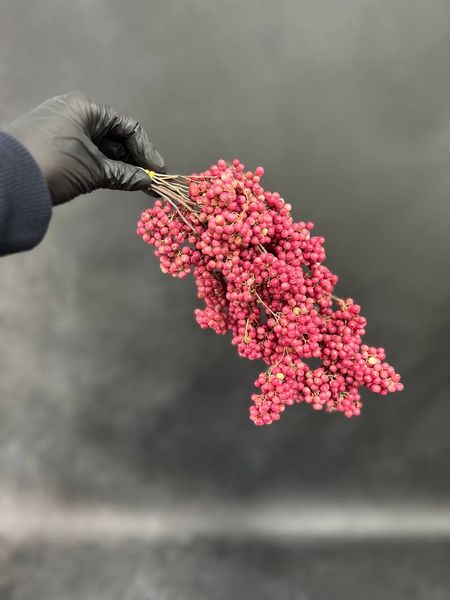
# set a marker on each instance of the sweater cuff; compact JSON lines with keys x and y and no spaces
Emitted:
{"x":24,"y":198}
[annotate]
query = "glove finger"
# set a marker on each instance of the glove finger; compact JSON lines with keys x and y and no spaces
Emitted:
{"x":118,"y":175}
{"x":116,"y":150}
{"x":106,"y":121}
{"x":144,"y":152}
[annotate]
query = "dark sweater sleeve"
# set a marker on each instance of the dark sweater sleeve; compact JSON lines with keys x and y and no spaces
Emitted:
{"x":25,"y":203}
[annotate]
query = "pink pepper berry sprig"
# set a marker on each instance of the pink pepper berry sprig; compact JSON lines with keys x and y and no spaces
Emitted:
{"x":261,"y":277}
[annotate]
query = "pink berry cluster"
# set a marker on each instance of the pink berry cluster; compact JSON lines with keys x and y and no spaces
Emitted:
{"x":261,"y":277}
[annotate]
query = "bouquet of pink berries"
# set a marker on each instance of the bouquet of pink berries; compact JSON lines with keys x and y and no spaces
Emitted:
{"x":261,"y":277}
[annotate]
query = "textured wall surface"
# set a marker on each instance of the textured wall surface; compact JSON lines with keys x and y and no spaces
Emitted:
{"x":109,"y":392}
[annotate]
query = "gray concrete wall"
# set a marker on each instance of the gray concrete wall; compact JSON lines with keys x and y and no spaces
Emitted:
{"x":108,"y":390}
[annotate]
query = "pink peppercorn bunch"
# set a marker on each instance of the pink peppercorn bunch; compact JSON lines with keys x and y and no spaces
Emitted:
{"x":261,"y":276}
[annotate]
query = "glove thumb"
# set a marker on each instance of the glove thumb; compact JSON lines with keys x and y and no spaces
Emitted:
{"x":118,"y":175}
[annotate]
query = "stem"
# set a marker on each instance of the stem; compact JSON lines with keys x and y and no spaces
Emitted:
{"x":181,"y":214}
{"x":337,"y":299}
{"x":265,"y":305}
{"x":246,"y":339}
{"x":177,"y":193}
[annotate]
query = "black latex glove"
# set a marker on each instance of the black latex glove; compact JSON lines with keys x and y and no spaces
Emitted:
{"x":80,"y":146}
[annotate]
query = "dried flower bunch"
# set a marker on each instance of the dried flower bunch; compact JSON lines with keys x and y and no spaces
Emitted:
{"x":261,"y":277}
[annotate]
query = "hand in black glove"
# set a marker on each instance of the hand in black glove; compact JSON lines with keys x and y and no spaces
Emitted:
{"x":81,"y":146}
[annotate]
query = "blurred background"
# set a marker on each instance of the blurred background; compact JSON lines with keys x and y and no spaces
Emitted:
{"x":128,"y":466}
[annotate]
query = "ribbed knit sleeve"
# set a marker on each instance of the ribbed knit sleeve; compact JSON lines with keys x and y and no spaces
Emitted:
{"x":25,"y":204}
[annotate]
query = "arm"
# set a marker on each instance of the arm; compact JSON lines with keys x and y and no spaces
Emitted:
{"x":25,"y":204}
{"x":63,"y":148}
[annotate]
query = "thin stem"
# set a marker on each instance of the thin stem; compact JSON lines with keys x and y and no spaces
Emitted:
{"x":337,"y":299}
{"x":246,"y":338}
{"x":172,"y":193}
{"x":181,"y":214}
{"x":264,"y":304}
{"x":184,"y":199}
